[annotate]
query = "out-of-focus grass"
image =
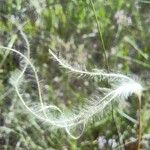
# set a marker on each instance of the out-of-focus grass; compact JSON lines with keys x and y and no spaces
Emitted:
{"x":70,"y":27}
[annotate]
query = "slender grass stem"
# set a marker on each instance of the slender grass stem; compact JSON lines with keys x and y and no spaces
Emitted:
{"x":106,"y":61}
{"x":100,"y":35}
{"x":139,"y":123}
{"x":117,"y":127}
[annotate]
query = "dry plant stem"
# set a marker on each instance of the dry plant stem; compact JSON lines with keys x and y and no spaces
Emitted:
{"x":139,"y":122}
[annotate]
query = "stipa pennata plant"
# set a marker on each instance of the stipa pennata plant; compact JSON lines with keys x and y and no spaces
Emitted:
{"x":73,"y":121}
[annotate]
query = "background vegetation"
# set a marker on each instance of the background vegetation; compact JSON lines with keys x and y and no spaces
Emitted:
{"x":76,"y":29}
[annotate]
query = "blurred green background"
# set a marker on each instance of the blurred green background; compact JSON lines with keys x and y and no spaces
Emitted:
{"x":74,"y":29}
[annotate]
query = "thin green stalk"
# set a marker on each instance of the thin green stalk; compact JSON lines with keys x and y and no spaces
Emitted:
{"x":107,"y":64}
{"x":139,"y":123}
{"x":100,"y":34}
{"x":117,"y":128}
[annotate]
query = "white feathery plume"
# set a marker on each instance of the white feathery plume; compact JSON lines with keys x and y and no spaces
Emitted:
{"x":121,"y":90}
{"x":95,"y":72}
